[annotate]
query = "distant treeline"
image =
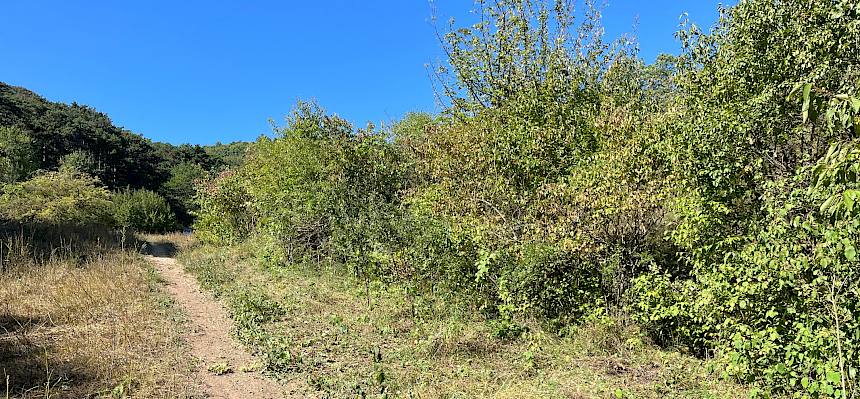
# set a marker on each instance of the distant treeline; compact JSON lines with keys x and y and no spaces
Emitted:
{"x":710,"y":197}
{"x":38,"y":136}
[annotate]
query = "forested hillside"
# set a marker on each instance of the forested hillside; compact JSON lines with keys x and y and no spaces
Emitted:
{"x":709,"y":198}
{"x":38,"y":137}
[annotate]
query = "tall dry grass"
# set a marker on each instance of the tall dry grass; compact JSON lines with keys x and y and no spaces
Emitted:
{"x":90,"y":323}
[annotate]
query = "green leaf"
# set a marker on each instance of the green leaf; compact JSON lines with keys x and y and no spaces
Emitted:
{"x":849,"y":199}
{"x":834,"y":377}
{"x":807,"y":89}
{"x":850,"y":252}
{"x":794,"y":91}
{"x":827,"y":207}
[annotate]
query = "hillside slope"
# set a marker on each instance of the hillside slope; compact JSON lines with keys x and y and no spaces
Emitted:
{"x":118,"y":157}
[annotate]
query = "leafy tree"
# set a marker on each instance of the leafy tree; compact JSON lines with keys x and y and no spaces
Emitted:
{"x":16,"y":154}
{"x":230,"y":155}
{"x":520,"y":49}
{"x":547,"y":175}
{"x":180,"y":188}
{"x":80,"y":162}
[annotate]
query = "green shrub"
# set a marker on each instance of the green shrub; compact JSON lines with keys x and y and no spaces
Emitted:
{"x":56,"y":198}
{"x":224,"y":212}
{"x":291,"y":180}
{"x":16,"y":154}
{"x":740,"y":127}
{"x":143,"y":210}
{"x":554,"y":283}
{"x":80,"y":162}
{"x":781,"y":310}
{"x":761,"y":211}
{"x":324,"y":189}
{"x":367,"y":213}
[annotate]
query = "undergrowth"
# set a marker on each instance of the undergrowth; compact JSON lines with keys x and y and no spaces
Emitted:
{"x":334,"y":336}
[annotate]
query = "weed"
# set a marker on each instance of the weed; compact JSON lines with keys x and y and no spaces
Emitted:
{"x":251,"y":367}
{"x":314,"y":326}
{"x":220,"y":368}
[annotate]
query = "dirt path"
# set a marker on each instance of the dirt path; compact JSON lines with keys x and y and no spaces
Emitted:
{"x":209,"y":337}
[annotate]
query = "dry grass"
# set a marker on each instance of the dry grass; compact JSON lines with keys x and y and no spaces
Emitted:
{"x":98,"y":326}
{"x":429,"y":347}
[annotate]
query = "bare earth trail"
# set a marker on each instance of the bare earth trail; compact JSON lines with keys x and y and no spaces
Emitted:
{"x":209,"y":337}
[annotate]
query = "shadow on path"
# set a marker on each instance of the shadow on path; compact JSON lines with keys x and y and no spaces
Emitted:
{"x":160,"y":249}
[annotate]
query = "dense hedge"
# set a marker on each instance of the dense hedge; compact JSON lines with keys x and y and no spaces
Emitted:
{"x":710,"y":196}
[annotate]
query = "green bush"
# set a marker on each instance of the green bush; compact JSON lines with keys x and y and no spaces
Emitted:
{"x":568,"y":180}
{"x":782,"y":309}
{"x":741,"y":127}
{"x":224,"y":212}
{"x":16,"y":154}
{"x":291,"y":181}
{"x":56,"y":198}
{"x":762,"y":212}
{"x":143,"y":210}
{"x":323,"y":189}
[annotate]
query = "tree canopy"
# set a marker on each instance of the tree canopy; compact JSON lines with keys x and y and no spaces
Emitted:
{"x":37,"y":135}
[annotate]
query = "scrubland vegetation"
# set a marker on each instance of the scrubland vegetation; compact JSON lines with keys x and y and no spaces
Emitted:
{"x":703,"y":204}
{"x":577,"y":222}
{"x":334,"y":337}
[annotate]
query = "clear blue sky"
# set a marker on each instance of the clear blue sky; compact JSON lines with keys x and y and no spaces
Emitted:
{"x":201,"y":71}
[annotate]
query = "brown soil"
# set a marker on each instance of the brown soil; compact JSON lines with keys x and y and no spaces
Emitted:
{"x":208,"y":337}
